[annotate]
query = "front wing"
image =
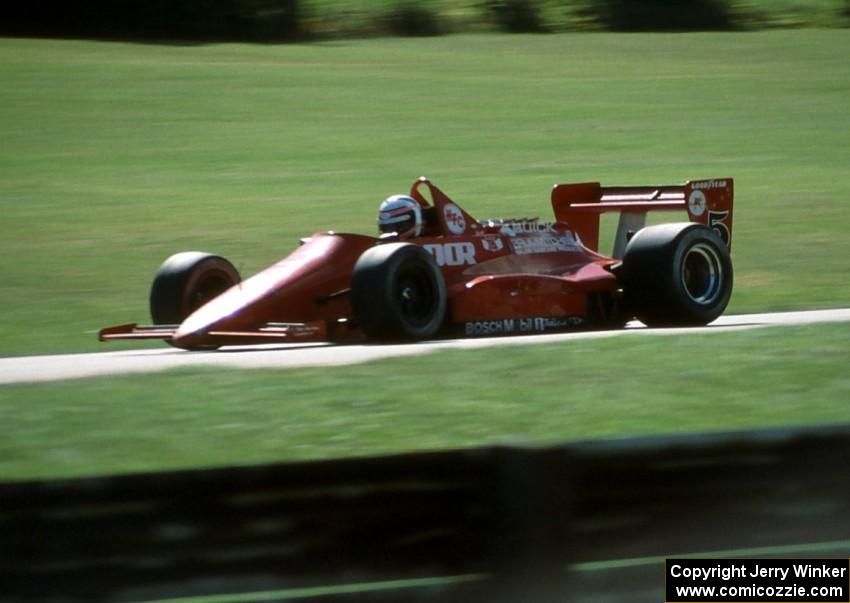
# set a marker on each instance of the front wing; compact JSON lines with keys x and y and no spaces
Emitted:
{"x":268,"y":333}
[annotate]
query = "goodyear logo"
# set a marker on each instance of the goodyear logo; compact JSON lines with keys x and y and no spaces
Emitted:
{"x":708,"y":184}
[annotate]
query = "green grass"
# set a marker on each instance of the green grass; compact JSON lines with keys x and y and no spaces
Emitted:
{"x":115,"y":155}
{"x":551,"y":393}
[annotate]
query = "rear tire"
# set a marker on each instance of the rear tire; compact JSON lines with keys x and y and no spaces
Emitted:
{"x":398,"y":293}
{"x":676,"y":275}
{"x":185,"y":282}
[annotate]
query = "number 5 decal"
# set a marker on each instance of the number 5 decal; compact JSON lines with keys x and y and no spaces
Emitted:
{"x":717,"y":222}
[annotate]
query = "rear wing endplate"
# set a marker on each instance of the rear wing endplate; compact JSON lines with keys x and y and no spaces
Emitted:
{"x":706,"y":202}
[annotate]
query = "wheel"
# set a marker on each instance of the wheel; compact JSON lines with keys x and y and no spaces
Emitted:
{"x":676,"y":275}
{"x":185,"y":282}
{"x":398,"y":293}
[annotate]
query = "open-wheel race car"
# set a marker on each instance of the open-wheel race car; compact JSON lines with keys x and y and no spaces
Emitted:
{"x":437,"y":272}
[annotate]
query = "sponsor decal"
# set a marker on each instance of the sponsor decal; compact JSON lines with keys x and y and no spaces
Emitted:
{"x":512,"y":229}
{"x":492,"y":244}
{"x":521,"y":325}
{"x":455,"y":221}
{"x":707,"y":184}
{"x":529,"y":245}
{"x":452,"y":254}
{"x":303,"y":330}
{"x":696,"y":203}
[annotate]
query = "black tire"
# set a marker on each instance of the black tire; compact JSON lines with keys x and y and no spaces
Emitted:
{"x":676,"y":275}
{"x":185,"y":282}
{"x":398,"y":293}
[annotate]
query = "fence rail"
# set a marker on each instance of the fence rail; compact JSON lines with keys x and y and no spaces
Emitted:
{"x":586,"y":521}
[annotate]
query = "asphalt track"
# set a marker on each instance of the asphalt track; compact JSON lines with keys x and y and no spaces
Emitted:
{"x":28,"y":369}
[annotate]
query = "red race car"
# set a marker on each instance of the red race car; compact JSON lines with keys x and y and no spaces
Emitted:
{"x":435,"y":271}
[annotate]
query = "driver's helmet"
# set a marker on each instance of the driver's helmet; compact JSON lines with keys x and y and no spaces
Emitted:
{"x":400,"y":214}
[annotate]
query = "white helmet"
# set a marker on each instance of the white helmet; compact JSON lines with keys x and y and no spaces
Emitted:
{"x":400,"y":214}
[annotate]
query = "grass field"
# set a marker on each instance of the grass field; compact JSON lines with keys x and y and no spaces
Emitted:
{"x":114,"y":156}
{"x":534,"y":395}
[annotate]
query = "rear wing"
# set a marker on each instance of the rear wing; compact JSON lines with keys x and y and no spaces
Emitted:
{"x":707,"y":202}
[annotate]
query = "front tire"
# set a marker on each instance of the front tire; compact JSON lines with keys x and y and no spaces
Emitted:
{"x":398,"y":293}
{"x":185,"y":282}
{"x":676,"y":275}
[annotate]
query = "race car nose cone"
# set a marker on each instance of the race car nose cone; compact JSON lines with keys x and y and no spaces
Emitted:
{"x":190,"y":341}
